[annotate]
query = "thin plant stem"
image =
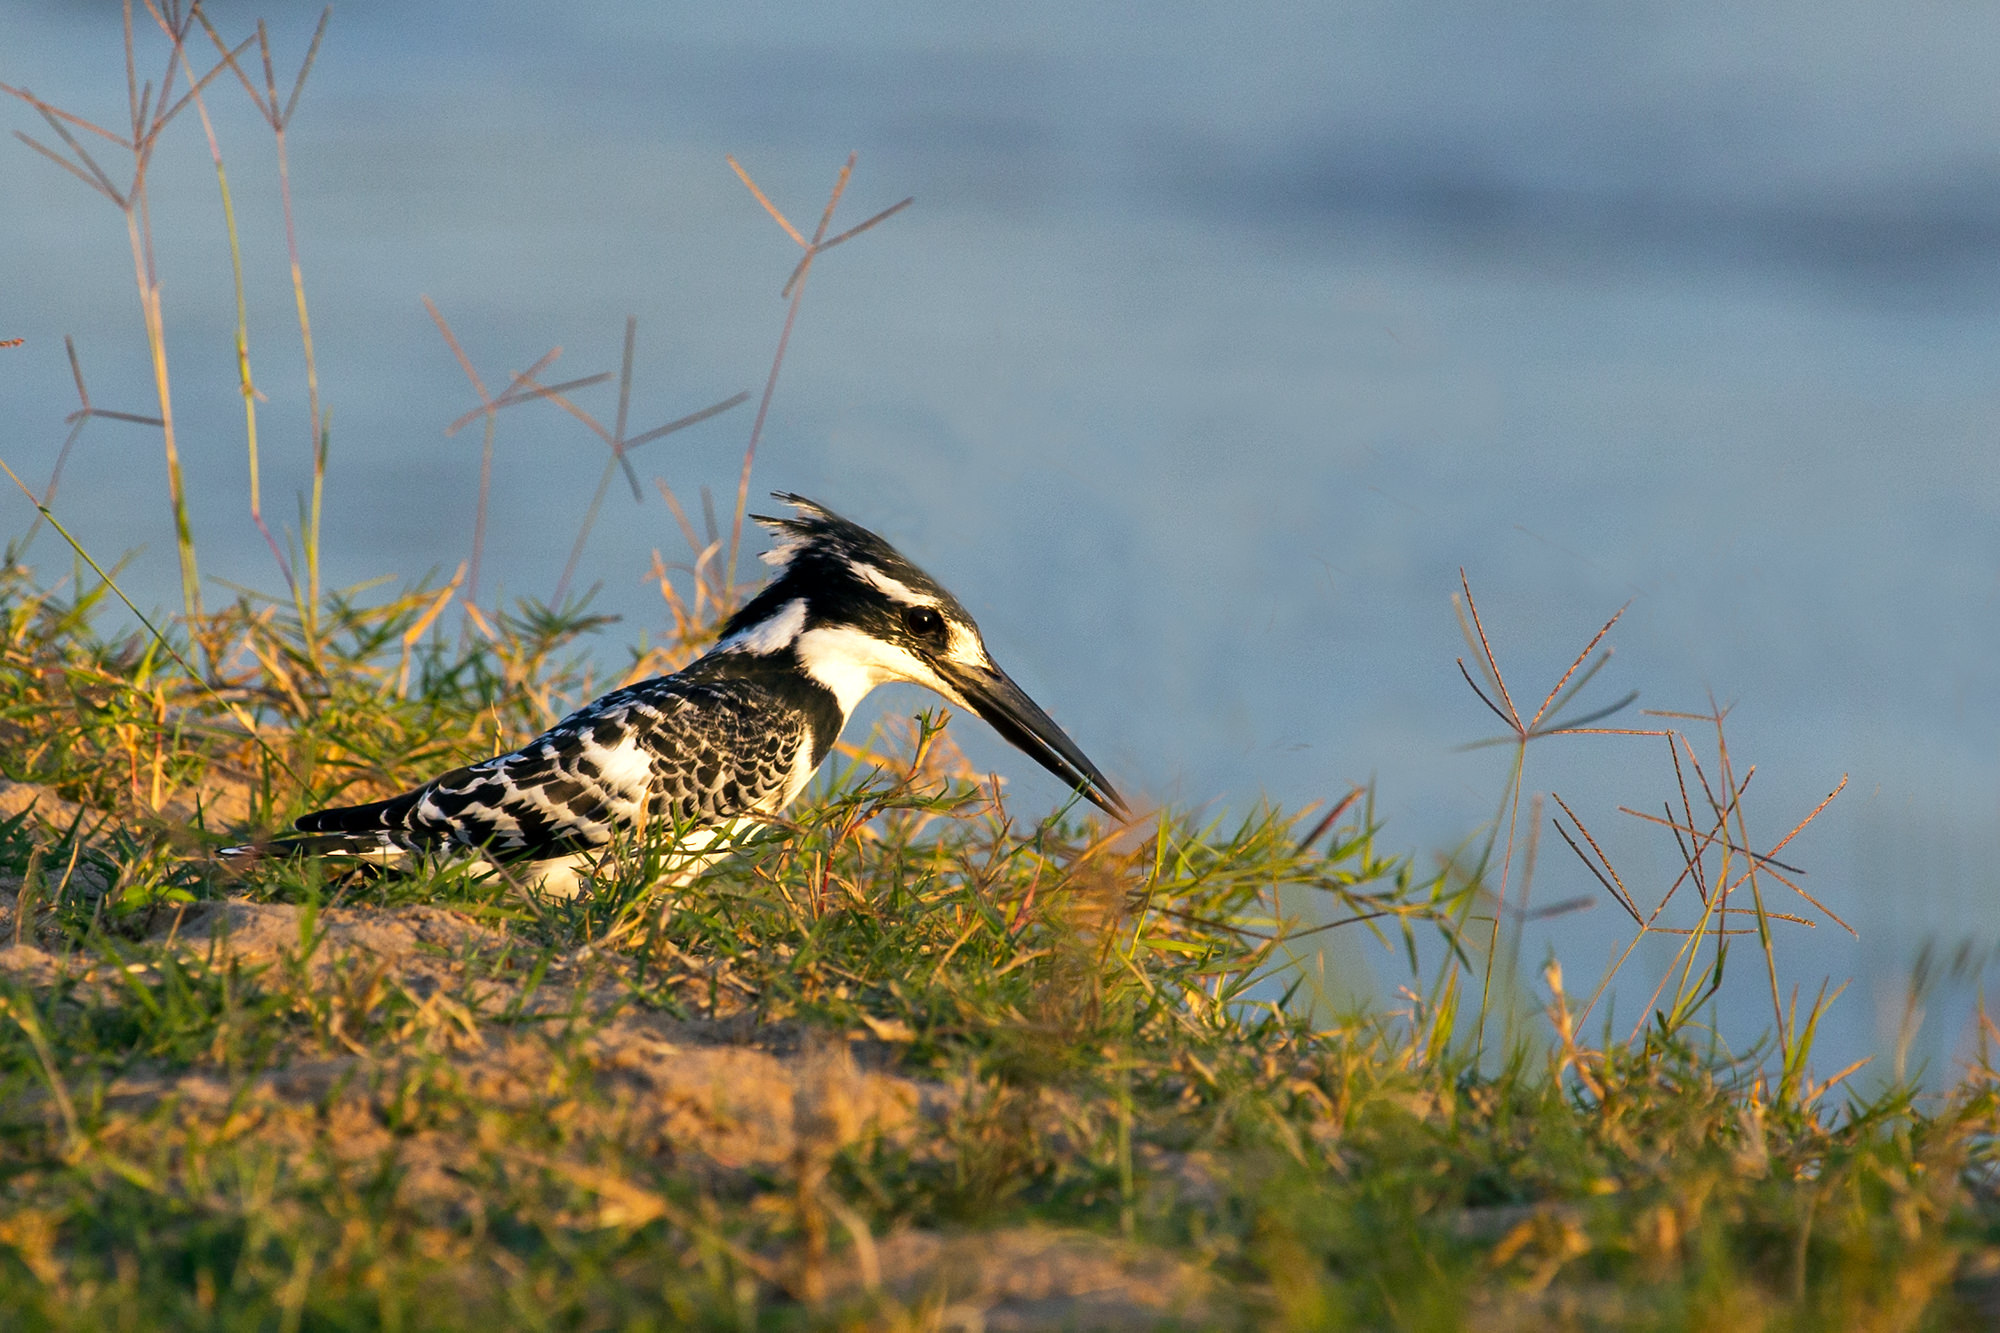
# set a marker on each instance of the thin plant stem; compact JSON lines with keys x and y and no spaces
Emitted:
{"x":757,"y":432}
{"x":138,"y":223}
{"x":76,"y":421}
{"x":247,"y":385}
{"x":319,"y":422}
{"x":310,"y":539}
{"x":150,"y":110}
{"x":794,"y":292}
{"x":479,"y":517}
{"x":1514,"y":782}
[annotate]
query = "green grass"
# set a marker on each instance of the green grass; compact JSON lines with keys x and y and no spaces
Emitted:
{"x":913,"y":1058}
{"x":911,"y":1016}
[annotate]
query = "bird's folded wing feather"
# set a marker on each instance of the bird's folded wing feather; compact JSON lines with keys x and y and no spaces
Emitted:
{"x":693,"y":752}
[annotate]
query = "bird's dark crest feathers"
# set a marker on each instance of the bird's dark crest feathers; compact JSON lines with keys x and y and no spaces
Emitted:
{"x":817,"y":533}
{"x":820,"y":546}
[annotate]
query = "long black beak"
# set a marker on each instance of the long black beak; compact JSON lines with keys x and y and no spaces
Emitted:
{"x":1008,"y":709}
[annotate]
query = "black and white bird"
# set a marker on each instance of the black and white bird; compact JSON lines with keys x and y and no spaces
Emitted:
{"x":733,"y":737}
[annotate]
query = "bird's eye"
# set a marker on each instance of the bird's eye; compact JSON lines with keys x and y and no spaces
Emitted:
{"x":924,"y":622}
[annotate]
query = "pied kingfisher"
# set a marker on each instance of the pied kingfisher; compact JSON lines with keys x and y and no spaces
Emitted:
{"x":735,"y":735}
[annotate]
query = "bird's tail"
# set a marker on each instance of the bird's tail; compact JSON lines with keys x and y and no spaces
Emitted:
{"x":371,"y":846}
{"x":367,"y":831}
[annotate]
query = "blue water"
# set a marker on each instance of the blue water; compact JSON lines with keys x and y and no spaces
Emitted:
{"x":1218,"y":340}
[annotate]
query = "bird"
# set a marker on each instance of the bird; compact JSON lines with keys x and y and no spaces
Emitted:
{"x":725,"y":743}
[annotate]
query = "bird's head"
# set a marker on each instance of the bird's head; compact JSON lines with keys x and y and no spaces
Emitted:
{"x":855,"y":614}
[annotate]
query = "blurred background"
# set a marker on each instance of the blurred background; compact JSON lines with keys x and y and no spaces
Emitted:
{"x":1219,"y":339}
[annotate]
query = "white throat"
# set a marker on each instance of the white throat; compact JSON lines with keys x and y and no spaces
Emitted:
{"x":850,"y":663}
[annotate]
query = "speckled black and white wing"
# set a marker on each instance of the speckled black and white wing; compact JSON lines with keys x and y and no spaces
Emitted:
{"x":688,"y":751}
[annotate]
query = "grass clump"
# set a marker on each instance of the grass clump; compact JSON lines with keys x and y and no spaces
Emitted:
{"x":907,"y":1059}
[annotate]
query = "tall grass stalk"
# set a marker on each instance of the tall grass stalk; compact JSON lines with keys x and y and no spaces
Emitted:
{"x":793,"y":292}
{"x":1545,"y":722}
{"x":148,"y":115}
{"x":279,"y":118}
{"x":76,"y":421}
{"x":1716,"y":864}
{"x":524,"y":387}
{"x":245,"y":381}
{"x":489,"y":409}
